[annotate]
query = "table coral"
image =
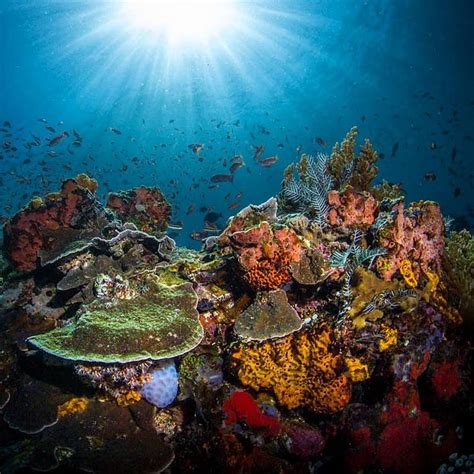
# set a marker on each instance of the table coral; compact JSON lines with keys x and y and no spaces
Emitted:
{"x":264,"y":254}
{"x":300,"y":369}
{"x":161,"y":324}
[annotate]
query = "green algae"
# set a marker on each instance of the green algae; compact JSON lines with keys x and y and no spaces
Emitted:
{"x":161,"y":324}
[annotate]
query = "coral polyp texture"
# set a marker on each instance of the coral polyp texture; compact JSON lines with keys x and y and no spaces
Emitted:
{"x":161,"y":324}
{"x":328,"y":328}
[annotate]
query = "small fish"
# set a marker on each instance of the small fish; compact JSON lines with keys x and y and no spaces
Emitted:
{"x":237,"y":158}
{"x":7,"y":124}
{"x":433,"y":146}
{"x":239,"y":195}
{"x":57,"y":139}
{"x":115,"y":130}
{"x":269,"y":161}
{"x":233,"y":205}
{"x":42,"y":120}
{"x":51,"y":129}
{"x":190,"y":209}
{"x":197,"y":235}
{"x":235,"y":166}
{"x":395,"y":149}
{"x":196,"y":148}
{"x":453,"y":153}
{"x":52,"y":153}
{"x":222,"y":178}
{"x":175,"y":226}
{"x":430,"y":176}
{"x":457,"y":192}
{"x":212,"y":216}
{"x":258,"y":151}
{"x":320,"y":141}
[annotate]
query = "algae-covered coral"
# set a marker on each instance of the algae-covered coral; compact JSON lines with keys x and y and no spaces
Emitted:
{"x":323,"y":328}
{"x":160,"y":324}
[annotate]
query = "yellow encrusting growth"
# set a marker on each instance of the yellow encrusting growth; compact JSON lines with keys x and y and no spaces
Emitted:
{"x":299,"y":369}
{"x":406,"y":270}
{"x":356,"y":370}
{"x":390,"y":338}
{"x":73,"y":406}
{"x":128,"y":398}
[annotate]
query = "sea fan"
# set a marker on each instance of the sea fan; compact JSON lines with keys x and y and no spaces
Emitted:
{"x":309,"y":192}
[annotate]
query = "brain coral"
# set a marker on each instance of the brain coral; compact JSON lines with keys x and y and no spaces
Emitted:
{"x":300,"y":369}
{"x":161,"y":324}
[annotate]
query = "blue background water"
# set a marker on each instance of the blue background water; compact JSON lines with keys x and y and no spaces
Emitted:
{"x":284,"y":72}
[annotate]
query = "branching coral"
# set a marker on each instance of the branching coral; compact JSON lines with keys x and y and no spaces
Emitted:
{"x":349,"y":169}
{"x":265,"y":254}
{"x":118,"y":380}
{"x":300,"y":369}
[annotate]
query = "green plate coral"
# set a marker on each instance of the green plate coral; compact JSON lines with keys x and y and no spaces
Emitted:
{"x":161,"y":324}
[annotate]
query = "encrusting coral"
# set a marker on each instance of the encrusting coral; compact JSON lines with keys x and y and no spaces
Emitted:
{"x":416,"y":233}
{"x":300,"y":369}
{"x":264,"y":254}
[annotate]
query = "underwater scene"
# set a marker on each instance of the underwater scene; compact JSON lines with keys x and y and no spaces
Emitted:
{"x":236,"y":236}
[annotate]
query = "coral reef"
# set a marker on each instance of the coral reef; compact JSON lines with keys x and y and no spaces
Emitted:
{"x":299,"y":369}
{"x":161,"y":324}
{"x":147,"y":208}
{"x":351,"y":208}
{"x":459,"y":268}
{"x":348,"y":169}
{"x":326,"y":330}
{"x":415,"y":233}
{"x":43,"y":229}
{"x":264,"y":255}
{"x":268,"y":317}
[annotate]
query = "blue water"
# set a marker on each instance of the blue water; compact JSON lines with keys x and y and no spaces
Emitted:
{"x":281,"y":74}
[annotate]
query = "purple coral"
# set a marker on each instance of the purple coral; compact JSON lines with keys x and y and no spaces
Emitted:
{"x":162,"y":389}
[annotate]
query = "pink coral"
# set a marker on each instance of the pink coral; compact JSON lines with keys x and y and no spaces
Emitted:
{"x":47,"y":226}
{"x":352,"y":208}
{"x":264,"y":255}
{"x":145,"y":207}
{"x":416,"y":234}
